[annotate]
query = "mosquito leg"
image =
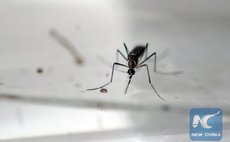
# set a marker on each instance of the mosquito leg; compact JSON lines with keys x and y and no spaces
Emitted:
{"x":155,"y":60}
{"x":126,"y":49}
{"x":114,"y":64}
{"x":130,"y":77}
{"x":145,"y":65}
{"x":146,"y":50}
{"x":155,"y":66}
{"x":119,"y":52}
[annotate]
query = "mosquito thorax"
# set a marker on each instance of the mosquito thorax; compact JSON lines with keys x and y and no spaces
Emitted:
{"x":132,"y":64}
{"x":131,"y":71}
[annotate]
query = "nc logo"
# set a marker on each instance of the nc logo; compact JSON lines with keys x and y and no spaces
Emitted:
{"x":203,"y":121}
{"x":205,"y":124}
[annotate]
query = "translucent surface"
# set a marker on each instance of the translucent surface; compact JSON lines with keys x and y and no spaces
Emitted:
{"x":52,"y":51}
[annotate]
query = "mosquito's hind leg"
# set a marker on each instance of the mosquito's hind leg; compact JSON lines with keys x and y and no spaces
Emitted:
{"x":146,"y":50}
{"x":119,"y":52}
{"x":126,"y":49}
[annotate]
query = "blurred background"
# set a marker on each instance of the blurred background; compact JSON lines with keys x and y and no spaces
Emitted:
{"x":52,"y":51}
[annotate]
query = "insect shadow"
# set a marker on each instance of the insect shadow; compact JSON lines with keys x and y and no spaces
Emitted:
{"x":134,"y":61}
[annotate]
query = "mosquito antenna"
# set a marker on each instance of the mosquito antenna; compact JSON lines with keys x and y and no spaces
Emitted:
{"x":130,"y":77}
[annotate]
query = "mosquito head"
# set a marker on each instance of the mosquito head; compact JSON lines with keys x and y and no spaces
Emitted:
{"x":131,"y":72}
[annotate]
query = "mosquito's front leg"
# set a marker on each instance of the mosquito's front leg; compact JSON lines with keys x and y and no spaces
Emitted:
{"x":114,"y":64}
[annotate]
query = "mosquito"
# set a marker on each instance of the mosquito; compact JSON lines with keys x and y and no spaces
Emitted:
{"x":134,"y":61}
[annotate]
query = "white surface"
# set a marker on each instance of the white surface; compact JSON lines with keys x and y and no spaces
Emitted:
{"x":194,"y":34}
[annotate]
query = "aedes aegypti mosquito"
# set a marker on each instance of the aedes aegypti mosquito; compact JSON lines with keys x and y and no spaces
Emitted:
{"x":134,"y":62}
